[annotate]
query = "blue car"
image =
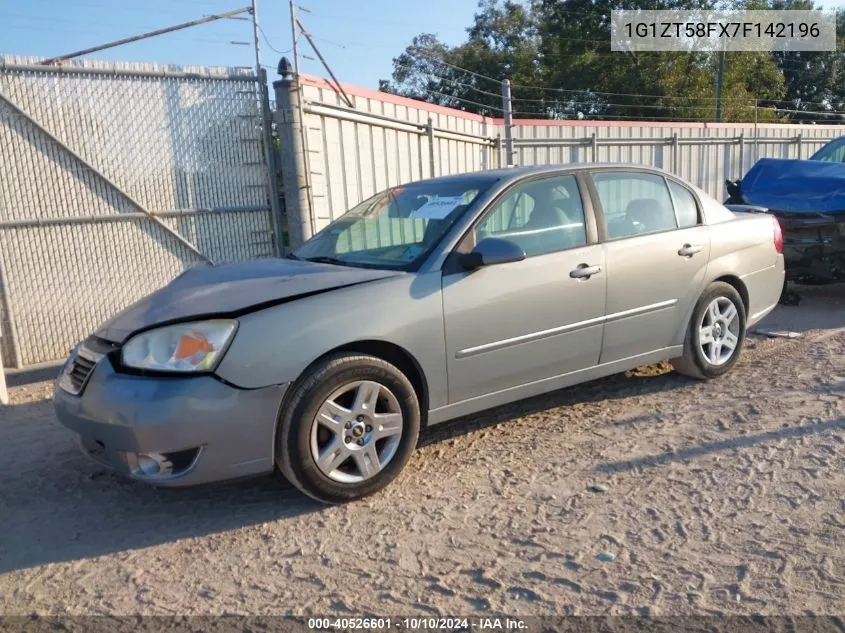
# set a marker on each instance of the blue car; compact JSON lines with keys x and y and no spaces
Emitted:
{"x":808,"y":198}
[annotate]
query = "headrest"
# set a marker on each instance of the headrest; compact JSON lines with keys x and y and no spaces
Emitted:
{"x":645,"y":211}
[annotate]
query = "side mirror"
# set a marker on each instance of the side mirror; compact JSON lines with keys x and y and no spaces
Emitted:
{"x":490,"y":251}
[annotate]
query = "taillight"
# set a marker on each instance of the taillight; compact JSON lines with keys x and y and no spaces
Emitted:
{"x":778,"y":235}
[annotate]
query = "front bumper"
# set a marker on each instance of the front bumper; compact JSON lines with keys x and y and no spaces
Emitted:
{"x":211,"y":430}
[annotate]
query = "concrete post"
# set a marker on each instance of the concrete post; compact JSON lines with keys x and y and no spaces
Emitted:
{"x":292,"y":158}
{"x":270,"y":160}
{"x":508,"y":121}
{"x":429,"y":133}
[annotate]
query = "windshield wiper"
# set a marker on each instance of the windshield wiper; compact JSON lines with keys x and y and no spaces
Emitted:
{"x":291,"y":256}
{"x":324,"y":259}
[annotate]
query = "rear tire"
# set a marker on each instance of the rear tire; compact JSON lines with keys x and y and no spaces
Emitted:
{"x":348,"y":429}
{"x":715,"y":334}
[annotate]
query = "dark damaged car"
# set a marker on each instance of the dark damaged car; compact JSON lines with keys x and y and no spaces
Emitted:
{"x":808,"y":198}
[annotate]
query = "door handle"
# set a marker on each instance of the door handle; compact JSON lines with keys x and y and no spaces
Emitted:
{"x":688,"y":250}
{"x":584,"y":271}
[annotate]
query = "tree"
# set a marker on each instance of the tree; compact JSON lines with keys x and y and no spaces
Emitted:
{"x":557,"y":55}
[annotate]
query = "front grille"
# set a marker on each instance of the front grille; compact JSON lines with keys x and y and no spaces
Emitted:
{"x":79,"y":371}
{"x":81,"y":365}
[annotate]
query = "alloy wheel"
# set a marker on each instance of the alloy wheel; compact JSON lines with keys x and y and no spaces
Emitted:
{"x":718,"y":334}
{"x":356,"y":431}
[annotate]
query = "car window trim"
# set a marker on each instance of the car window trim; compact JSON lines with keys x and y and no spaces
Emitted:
{"x":601,"y":220}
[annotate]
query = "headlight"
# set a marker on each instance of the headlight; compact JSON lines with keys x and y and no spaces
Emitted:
{"x":186,"y":347}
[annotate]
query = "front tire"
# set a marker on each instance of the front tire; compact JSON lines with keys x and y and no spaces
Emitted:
{"x":348,"y":429}
{"x":715,"y":334}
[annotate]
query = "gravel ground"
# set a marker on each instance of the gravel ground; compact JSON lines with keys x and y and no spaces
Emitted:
{"x":639,"y":494}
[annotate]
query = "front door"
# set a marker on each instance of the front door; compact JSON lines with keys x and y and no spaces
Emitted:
{"x":656,"y":253}
{"x":512,"y":324}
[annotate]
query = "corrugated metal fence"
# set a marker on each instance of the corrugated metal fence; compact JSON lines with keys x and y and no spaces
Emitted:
{"x":704,"y":154}
{"x":351,"y":153}
{"x":114,"y":178}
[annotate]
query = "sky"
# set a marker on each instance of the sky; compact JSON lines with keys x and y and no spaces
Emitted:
{"x":359,"y":38}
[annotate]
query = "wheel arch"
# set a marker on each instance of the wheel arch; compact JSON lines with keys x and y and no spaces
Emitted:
{"x":739,"y":286}
{"x":392,"y":353}
{"x":732,"y":280}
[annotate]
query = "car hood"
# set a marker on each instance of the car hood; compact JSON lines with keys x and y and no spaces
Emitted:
{"x":233,"y":289}
{"x":796,"y":186}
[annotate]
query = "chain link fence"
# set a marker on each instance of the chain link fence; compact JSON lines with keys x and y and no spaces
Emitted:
{"x":114,"y":178}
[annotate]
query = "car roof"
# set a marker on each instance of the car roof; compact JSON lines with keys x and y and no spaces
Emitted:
{"x":510,"y":174}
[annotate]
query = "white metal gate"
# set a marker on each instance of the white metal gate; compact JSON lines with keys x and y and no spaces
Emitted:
{"x":113,"y":179}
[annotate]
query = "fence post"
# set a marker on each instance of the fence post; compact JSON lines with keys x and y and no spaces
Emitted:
{"x":292,"y":157}
{"x":741,"y":153}
{"x":499,"y":148}
{"x":595,"y":145}
{"x":675,"y":153}
{"x":270,"y":160}
{"x":7,"y":312}
{"x":798,"y":141}
{"x":429,"y":132}
{"x":4,"y":393}
{"x":508,"y":120}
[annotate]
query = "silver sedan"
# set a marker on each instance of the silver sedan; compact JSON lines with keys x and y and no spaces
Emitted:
{"x":427,"y":302}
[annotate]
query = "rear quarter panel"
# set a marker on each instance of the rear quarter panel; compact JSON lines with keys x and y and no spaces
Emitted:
{"x":276,"y":345}
{"x":742,"y":247}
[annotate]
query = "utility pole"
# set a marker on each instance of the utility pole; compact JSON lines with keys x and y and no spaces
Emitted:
{"x":303,"y":185}
{"x":720,"y":80}
{"x":256,"y":40}
{"x":508,"y":116}
{"x":295,"y":36}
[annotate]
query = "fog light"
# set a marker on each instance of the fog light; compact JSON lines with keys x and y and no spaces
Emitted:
{"x":155,"y":466}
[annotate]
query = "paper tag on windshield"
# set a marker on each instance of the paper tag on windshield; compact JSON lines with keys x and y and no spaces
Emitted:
{"x":437,"y":208}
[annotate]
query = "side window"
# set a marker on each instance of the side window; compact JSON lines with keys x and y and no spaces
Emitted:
{"x":685,"y":207}
{"x":542,"y":216}
{"x":634,"y":203}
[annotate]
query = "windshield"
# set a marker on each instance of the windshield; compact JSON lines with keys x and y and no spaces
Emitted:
{"x":396,"y":228}
{"x":833,"y":152}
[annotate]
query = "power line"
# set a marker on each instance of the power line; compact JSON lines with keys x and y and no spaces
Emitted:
{"x":39,"y":19}
{"x":357,"y":18}
{"x":453,"y":81}
{"x":709,"y":100}
{"x":439,"y":61}
{"x":462,"y":100}
{"x":94,"y":5}
{"x":142,"y":36}
{"x":99,"y":33}
{"x":269,"y":44}
{"x":642,"y":117}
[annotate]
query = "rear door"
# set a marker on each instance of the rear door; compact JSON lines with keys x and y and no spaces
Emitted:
{"x":511,"y":324}
{"x":656,"y":252}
